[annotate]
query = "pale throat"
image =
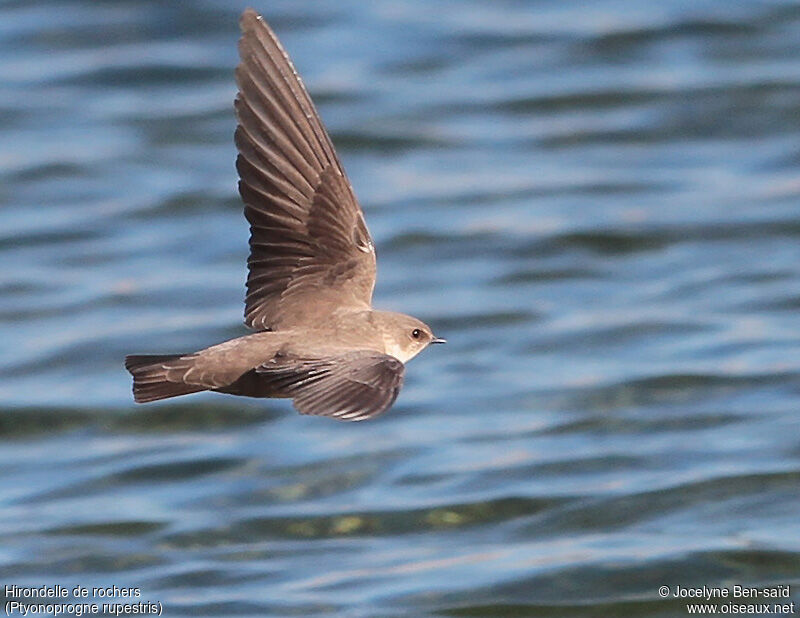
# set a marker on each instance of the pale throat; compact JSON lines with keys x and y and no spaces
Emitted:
{"x":391,"y":347}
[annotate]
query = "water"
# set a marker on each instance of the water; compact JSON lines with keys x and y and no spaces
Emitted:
{"x":596,"y":204}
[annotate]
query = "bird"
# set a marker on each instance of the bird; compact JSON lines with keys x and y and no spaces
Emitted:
{"x":311,"y":269}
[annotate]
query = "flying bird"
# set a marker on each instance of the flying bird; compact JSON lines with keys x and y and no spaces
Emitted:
{"x":311,"y":269}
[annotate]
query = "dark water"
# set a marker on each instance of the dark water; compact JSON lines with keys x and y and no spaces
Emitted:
{"x":596,"y":203}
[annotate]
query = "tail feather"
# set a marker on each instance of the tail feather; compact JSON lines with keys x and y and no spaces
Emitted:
{"x":160,"y":377}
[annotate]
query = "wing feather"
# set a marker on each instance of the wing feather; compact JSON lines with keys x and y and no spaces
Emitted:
{"x":308,"y":239}
{"x":353,"y":386}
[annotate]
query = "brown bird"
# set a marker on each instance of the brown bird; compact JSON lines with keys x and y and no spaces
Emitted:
{"x":311,"y":266}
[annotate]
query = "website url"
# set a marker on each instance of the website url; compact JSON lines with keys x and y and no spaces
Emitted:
{"x":741,"y":608}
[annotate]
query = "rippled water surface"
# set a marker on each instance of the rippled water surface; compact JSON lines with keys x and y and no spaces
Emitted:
{"x":596,"y":203}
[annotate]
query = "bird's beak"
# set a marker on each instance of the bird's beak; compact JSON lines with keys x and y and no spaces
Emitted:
{"x":438,"y":340}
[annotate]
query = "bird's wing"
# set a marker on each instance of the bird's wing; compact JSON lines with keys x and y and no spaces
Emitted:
{"x":353,"y":386}
{"x":309,"y":242}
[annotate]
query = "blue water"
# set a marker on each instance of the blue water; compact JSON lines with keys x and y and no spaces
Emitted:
{"x":597,"y":205}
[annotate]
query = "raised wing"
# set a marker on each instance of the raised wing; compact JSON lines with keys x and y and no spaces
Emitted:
{"x":309,"y":243}
{"x":353,"y":386}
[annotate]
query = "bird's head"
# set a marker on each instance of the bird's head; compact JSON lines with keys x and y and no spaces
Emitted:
{"x":405,"y":336}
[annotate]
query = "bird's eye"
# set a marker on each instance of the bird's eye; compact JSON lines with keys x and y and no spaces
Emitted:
{"x":416,"y":333}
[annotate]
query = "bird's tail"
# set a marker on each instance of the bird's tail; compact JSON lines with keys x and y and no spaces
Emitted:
{"x":160,"y":377}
